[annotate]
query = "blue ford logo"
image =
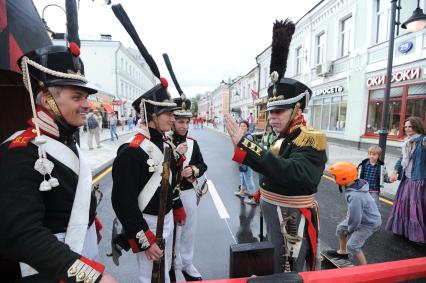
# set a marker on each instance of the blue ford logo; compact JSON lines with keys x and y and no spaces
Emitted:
{"x":405,"y":47}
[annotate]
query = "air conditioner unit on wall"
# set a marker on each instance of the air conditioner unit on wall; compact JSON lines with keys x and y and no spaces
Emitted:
{"x":324,"y":69}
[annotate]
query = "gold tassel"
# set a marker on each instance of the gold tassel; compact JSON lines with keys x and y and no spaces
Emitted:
{"x":311,"y":137}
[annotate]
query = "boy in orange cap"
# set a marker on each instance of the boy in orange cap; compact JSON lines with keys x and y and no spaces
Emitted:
{"x":363,"y":217}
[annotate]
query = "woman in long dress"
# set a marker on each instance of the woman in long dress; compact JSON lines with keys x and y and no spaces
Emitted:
{"x":408,"y":214}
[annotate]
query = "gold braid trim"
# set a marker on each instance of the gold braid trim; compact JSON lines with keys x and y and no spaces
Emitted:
{"x":53,"y":106}
{"x":311,"y":137}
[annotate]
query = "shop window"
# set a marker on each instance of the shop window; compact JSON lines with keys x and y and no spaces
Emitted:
{"x":416,"y":103}
{"x":412,"y":104}
{"x":329,"y":114}
{"x":316,"y":121}
{"x":375,"y":112}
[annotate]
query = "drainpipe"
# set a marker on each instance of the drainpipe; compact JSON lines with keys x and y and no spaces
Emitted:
{"x":116,"y":75}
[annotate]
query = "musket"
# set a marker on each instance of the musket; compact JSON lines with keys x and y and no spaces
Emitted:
{"x":172,"y":273}
{"x":158,"y":274}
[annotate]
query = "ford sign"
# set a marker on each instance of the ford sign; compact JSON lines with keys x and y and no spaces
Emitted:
{"x":405,"y":47}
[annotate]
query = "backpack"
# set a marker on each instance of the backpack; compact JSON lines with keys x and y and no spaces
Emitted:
{"x":91,"y":122}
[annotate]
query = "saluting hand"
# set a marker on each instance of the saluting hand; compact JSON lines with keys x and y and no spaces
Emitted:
{"x":154,"y":252}
{"x":182,"y":148}
{"x":234,"y":130}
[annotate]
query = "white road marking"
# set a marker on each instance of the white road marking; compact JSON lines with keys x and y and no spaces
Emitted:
{"x":220,"y":207}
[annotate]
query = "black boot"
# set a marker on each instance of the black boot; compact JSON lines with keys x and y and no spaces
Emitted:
{"x":190,"y":278}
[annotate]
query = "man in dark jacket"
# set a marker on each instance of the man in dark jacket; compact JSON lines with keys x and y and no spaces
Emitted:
{"x":292,"y":167}
{"x":137,"y":176}
{"x":48,"y":212}
{"x":191,"y":167}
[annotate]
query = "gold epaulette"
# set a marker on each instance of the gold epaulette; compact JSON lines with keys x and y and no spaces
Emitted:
{"x":311,"y":137}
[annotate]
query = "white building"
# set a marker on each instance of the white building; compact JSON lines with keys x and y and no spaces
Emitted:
{"x":339,"y":49}
{"x":120,"y":71}
{"x":220,"y":102}
{"x":244,"y":91}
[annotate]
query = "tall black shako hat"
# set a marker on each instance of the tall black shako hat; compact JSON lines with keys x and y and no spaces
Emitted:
{"x":55,"y":65}
{"x":157,"y":100}
{"x":182,"y":102}
{"x":284,"y":92}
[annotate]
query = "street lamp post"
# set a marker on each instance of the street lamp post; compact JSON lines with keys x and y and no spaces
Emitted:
{"x":49,"y":30}
{"x":415,"y":23}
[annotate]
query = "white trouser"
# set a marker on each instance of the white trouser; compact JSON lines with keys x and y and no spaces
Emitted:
{"x":145,"y":265}
{"x":185,"y":235}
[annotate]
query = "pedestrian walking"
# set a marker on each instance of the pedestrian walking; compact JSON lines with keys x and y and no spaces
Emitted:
{"x":93,"y":129}
{"x":409,"y":209}
{"x":292,"y":167}
{"x":250,"y":121}
{"x":130,"y":123}
{"x":373,"y":170}
{"x":112,"y":122}
{"x":362,"y":218}
{"x":48,"y":231}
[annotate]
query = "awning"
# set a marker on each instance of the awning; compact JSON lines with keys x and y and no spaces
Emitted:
{"x":92,"y":106}
{"x":107,"y":108}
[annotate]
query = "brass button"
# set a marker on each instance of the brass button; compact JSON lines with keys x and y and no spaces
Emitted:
{"x":72,"y":270}
{"x":81,"y":276}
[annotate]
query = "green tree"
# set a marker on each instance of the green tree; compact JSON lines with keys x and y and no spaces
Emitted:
{"x":194,"y":104}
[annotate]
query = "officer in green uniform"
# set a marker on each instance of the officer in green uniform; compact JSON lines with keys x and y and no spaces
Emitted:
{"x":292,"y":167}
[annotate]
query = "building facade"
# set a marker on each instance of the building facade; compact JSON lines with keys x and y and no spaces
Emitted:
{"x":339,"y":49}
{"x":219,"y":103}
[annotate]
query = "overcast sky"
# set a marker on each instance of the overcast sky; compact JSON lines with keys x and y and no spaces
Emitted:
{"x":207,"y":41}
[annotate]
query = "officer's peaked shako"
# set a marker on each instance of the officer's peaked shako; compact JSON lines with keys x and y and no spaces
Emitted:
{"x":283,"y":92}
{"x":157,"y":100}
{"x":182,"y":102}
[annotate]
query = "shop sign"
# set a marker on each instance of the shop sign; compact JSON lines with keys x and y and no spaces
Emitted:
{"x":328,"y":90}
{"x":405,"y":47}
{"x":400,"y":76}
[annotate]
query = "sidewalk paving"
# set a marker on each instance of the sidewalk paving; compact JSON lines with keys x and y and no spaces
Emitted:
{"x":337,"y":152}
{"x":101,"y":158}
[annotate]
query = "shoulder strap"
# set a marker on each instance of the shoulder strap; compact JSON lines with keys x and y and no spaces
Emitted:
{"x":188,"y":154}
{"x":151,"y":186}
{"x":21,"y":138}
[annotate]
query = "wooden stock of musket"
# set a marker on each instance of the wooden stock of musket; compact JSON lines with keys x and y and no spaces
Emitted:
{"x":158,"y":274}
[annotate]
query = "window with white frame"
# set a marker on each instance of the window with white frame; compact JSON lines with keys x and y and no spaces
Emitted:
{"x":346,"y":36}
{"x":320,"y":48}
{"x":299,"y":60}
{"x":382,"y":22}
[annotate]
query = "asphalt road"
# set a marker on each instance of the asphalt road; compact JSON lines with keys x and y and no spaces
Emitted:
{"x":216,"y":232}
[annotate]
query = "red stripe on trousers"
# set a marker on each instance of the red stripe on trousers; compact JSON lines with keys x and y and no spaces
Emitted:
{"x":312,"y":232}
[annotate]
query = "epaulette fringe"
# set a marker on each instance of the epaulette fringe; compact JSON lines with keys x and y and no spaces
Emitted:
{"x":311,"y":137}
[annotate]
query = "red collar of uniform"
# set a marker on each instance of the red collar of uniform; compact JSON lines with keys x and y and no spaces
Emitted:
{"x":296,"y":124}
{"x":46,"y":123}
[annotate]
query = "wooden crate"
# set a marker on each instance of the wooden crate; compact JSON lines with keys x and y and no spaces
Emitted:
{"x":251,"y":259}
